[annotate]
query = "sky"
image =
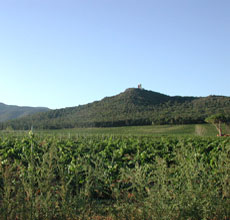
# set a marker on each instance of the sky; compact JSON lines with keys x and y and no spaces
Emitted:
{"x":63,"y":53}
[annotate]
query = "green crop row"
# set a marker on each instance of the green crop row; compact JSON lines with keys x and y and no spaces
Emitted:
{"x":96,"y":177}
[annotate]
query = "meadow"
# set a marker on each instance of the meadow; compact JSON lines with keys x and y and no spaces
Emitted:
{"x":148,"y":172}
{"x":205,"y":130}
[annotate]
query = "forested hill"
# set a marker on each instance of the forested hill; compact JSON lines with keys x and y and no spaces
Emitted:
{"x":132,"y":107}
{"x":8,"y":112}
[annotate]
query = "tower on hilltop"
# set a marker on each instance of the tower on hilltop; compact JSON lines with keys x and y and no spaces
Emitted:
{"x":140,"y":86}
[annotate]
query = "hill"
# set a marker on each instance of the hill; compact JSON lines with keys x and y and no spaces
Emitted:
{"x":131,"y":107}
{"x":8,"y":112}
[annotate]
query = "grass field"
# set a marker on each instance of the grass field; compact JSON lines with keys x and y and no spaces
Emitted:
{"x":154,"y":130}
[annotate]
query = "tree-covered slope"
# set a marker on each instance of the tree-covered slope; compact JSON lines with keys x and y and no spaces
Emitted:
{"x":132,"y":107}
{"x":8,"y":112}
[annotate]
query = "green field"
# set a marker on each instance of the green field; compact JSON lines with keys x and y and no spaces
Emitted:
{"x":148,"y":172}
{"x":155,"y":130}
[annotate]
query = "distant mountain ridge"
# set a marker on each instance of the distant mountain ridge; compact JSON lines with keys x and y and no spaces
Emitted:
{"x":8,"y":112}
{"x":131,"y":107}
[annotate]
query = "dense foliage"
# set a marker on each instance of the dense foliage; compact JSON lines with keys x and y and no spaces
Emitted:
{"x":88,"y":177}
{"x":132,"y":107}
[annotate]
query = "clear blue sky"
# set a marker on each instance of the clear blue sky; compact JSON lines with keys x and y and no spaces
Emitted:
{"x":61,"y":53}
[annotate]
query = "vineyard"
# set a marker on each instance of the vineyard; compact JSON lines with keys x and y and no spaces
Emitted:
{"x":114,"y":177}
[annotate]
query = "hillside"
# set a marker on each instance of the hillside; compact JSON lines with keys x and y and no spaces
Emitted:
{"x":8,"y":112}
{"x":131,"y":107}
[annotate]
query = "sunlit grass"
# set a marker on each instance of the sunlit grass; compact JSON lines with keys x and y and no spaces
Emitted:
{"x":154,"y":130}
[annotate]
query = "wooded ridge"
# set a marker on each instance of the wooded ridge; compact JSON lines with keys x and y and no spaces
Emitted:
{"x":8,"y":112}
{"x":131,"y":107}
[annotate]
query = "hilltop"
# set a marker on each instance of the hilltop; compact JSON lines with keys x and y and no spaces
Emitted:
{"x":131,"y":107}
{"x":8,"y":112}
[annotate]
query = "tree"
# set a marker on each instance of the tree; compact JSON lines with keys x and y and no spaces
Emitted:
{"x":217,"y":120}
